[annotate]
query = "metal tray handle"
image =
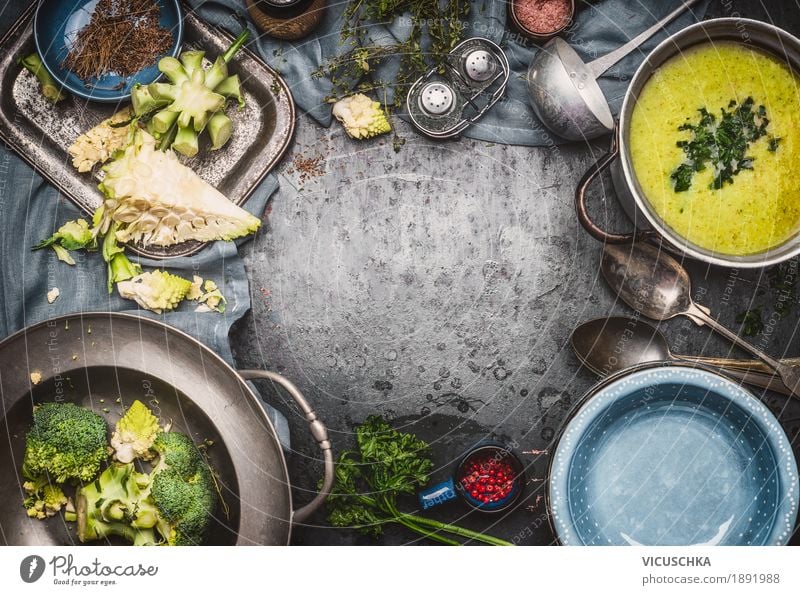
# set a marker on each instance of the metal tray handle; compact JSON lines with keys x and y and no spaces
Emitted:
{"x":585,"y":219}
{"x":318,"y":431}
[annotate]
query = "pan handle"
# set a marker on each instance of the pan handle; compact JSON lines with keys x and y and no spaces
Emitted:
{"x":595,"y":230}
{"x":318,"y":431}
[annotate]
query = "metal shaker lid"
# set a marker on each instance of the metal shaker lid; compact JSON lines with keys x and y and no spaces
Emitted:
{"x":436,"y":98}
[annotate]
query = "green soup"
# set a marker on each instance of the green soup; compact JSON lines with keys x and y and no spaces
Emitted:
{"x":758,"y":208}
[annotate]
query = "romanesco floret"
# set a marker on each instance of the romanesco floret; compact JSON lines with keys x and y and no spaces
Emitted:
{"x":155,"y":290}
{"x":44,"y":499}
{"x":361,"y":116}
{"x":135,"y":433}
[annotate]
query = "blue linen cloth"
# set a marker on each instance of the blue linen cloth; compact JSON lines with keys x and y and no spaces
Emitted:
{"x":598,"y":29}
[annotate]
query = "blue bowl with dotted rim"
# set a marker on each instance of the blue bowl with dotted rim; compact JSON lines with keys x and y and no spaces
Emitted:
{"x":55,"y":26}
{"x":672,"y":455}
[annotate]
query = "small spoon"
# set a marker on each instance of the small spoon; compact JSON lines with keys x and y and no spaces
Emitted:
{"x":652,"y":282}
{"x":608,"y":345}
{"x":563,"y":89}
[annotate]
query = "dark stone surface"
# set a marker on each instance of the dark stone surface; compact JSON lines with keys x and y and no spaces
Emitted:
{"x":438,"y":286}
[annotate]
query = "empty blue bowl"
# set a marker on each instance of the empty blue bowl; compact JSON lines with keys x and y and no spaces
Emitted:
{"x":55,"y":26}
{"x":672,"y":455}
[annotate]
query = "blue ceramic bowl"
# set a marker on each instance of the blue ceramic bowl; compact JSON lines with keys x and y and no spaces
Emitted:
{"x":55,"y":27}
{"x":673,"y":455}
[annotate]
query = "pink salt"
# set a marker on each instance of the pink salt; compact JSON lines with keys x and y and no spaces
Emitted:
{"x":542,"y":16}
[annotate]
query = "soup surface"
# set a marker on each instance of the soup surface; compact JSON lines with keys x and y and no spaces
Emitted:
{"x":756,"y":205}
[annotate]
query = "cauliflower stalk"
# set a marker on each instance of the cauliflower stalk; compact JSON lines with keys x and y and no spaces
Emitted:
{"x":156,"y":200}
{"x":73,"y":235}
{"x":193,"y":100}
{"x":135,"y":433}
{"x":361,"y":116}
{"x":47,"y":84}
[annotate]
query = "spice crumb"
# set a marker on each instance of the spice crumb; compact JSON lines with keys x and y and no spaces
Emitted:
{"x":307,"y":167}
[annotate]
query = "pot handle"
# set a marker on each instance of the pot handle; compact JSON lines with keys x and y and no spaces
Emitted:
{"x":318,"y":431}
{"x":595,"y":230}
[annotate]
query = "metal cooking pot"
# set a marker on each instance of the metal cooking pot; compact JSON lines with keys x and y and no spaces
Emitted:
{"x":93,"y":359}
{"x":766,"y":37}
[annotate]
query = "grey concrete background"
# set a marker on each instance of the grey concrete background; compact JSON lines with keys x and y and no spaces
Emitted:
{"x":438,"y":286}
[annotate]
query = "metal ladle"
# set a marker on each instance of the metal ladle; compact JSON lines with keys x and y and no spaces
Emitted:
{"x":564,"y":90}
{"x":608,"y":345}
{"x":652,"y":282}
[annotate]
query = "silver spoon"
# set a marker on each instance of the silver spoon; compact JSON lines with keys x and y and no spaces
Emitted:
{"x":652,"y":282}
{"x":563,"y":88}
{"x":608,"y":345}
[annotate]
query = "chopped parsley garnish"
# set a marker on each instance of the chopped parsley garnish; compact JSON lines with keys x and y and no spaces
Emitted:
{"x":722,"y":142}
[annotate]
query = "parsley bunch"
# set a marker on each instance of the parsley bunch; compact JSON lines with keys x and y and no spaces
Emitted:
{"x":385,"y":465}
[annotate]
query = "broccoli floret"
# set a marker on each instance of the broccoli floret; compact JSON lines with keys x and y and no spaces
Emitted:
{"x":182,"y":489}
{"x":117,"y":503}
{"x":135,"y":433}
{"x":44,"y":499}
{"x":66,"y":442}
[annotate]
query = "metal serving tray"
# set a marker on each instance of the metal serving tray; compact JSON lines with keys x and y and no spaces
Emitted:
{"x":40,"y":132}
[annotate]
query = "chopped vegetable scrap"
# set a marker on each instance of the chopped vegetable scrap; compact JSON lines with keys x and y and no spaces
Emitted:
{"x":47,"y":84}
{"x":99,"y":144}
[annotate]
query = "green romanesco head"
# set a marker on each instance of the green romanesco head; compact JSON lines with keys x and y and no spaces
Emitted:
{"x":66,"y":442}
{"x":183,"y":490}
{"x":135,"y":433}
{"x":155,"y":290}
{"x":361,"y":116}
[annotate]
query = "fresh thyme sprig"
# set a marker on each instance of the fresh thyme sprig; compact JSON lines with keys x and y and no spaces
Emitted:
{"x":436,"y":28}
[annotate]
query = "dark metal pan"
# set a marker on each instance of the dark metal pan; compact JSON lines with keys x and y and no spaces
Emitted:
{"x":86,"y":358}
